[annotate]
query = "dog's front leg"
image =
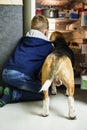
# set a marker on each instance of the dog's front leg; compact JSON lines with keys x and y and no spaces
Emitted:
{"x":67,"y":93}
{"x":45,"y":111}
{"x":53,"y":89}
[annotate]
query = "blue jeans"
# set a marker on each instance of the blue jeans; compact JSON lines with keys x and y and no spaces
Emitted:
{"x":26,"y":86}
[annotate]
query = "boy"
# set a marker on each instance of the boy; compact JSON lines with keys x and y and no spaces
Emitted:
{"x":23,"y":68}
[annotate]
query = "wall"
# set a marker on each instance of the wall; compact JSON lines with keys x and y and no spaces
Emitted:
{"x":11,"y":29}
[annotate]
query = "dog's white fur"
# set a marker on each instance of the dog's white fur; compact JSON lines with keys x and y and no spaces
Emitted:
{"x":46,"y":85}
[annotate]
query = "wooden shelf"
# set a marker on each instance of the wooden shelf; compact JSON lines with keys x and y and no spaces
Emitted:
{"x":63,"y":31}
{"x":67,"y":31}
{"x":60,"y":24}
{"x":65,"y":20}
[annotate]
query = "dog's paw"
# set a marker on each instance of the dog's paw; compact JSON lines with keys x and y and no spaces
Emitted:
{"x":54,"y":91}
{"x":72,"y":113}
{"x":45,"y":111}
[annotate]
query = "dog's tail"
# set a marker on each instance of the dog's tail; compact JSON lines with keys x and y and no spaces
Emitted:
{"x":49,"y":81}
{"x":46,"y":85}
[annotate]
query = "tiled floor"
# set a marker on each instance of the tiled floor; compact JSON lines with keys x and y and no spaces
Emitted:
{"x":26,"y":115}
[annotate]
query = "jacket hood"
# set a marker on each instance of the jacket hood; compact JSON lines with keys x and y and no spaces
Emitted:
{"x":37,"y":34}
{"x":33,"y":41}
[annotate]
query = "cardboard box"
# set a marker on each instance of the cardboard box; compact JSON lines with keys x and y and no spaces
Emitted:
{"x":84,"y":82}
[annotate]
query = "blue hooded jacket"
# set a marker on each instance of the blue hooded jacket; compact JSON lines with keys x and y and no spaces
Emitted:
{"x":30,"y":55}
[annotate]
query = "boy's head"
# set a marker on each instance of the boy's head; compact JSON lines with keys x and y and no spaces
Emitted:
{"x":55,"y":35}
{"x":40,"y":23}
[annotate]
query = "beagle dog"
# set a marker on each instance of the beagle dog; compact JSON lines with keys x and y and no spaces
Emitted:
{"x":58,"y":69}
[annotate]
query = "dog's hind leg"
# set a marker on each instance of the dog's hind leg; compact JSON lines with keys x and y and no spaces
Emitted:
{"x":66,"y":74}
{"x":45,"y":111}
{"x":71,"y":88}
{"x":46,"y":82}
{"x":71,"y":105}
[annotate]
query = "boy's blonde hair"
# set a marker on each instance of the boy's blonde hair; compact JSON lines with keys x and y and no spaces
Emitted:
{"x":54,"y":35}
{"x":39,"y":22}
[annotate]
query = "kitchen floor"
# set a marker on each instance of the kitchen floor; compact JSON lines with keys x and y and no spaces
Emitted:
{"x":27,"y":115}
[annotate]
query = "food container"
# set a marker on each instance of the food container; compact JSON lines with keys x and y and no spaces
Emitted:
{"x":50,"y":12}
{"x":61,"y":14}
{"x":73,"y":14}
